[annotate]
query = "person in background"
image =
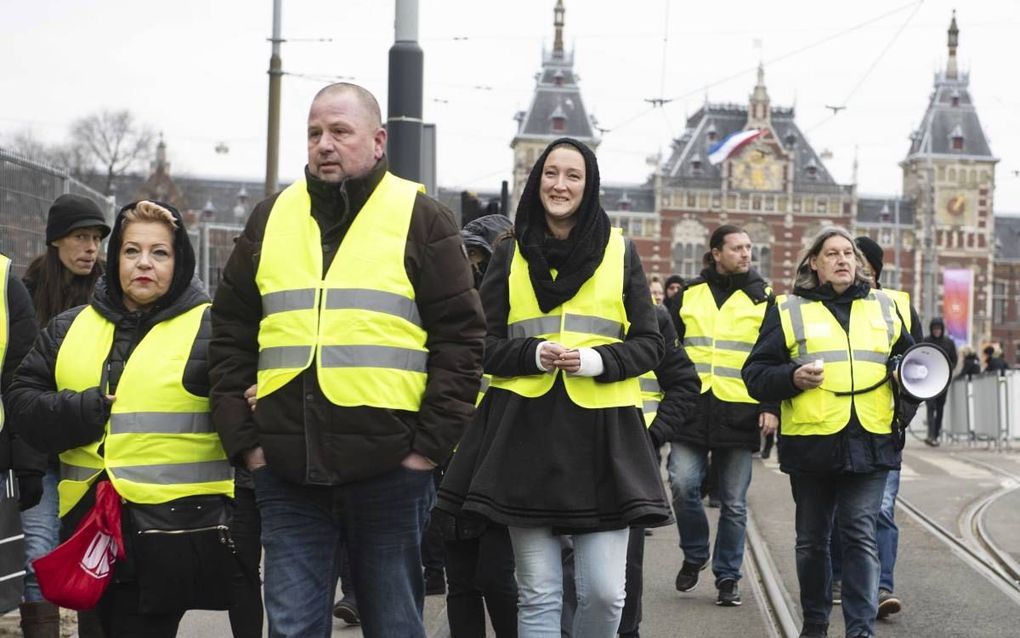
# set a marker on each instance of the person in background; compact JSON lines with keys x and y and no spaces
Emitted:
{"x":994,"y":361}
{"x":60,"y":279}
{"x":971,"y":365}
{"x":557,"y":445}
{"x":820,"y":354}
{"x":717,"y":316}
{"x":119,"y":389}
{"x":20,"y":465}
{"x":674,"y":284}
{"x":937,"y":336}
{"x":655,"y":287}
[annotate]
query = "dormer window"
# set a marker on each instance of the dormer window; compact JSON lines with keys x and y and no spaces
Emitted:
{"x":558,"y":78}
{"x":558,"y":120}
{"x":624,"y":203}
{"x":811,"y":169}
{"x":954,"y":98}
{"x":711,"y":134}
{"x":790,"y":140}
{"x":956,"y":138}
{"x":696,"y":164}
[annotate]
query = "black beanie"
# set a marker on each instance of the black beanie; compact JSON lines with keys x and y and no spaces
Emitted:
{"x":873,"y":253}
{"x":70,"y":212}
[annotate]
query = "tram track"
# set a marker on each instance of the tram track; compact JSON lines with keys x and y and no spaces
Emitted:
{"x":781,"y":619}
{"x":974,"y":545}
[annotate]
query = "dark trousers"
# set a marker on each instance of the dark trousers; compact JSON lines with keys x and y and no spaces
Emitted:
{"x":480,"y":575}
{"x":935,"y":409}
{"x":246,"y":530}
{"x":119,"y":616}
{"x":631,"y":618}
{"x":432,"y":555}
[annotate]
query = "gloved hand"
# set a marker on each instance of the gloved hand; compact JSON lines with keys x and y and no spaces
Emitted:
{"x":30,"y":490}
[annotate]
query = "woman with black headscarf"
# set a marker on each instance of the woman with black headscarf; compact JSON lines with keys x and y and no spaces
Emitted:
{"x":558,"y":446}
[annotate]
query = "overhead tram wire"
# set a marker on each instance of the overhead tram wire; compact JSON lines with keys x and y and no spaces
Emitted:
{"x":771,"y":61}
{"x":869,"y":70}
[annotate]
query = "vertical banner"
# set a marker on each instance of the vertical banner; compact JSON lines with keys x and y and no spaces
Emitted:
{"x":957,"y":299}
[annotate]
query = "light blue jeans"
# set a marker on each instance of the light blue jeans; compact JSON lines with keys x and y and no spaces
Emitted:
{"x":600,"y":563}
{"x":687,"y":466}
{"x":42,"y":532}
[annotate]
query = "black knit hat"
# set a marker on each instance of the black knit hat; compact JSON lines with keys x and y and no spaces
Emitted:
{"x":873,"y":253}
{"x":70,"y":212}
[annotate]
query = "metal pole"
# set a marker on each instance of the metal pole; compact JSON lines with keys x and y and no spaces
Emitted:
{"x":404,"y":123}
{"x":896,"y":245}
{"x":273,"y":132}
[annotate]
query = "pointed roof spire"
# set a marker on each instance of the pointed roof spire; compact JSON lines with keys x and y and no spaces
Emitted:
{"x":953,"y":42}
{"x":758,"y":113}
{"x":558,"y":24}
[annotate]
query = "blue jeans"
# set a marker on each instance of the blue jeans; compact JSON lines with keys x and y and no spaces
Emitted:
{"x":687,"y":467}
{"x":42,"y":532}
{"x":381,"y":519}
{"x":600,"y":562}
{"x":855,"y":499}
{"x":887,"y":533}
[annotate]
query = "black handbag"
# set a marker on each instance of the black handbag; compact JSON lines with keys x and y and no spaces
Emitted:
{"x":184,"y":556}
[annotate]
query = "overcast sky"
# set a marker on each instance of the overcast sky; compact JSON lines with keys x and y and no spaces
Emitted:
{"x":196,"y":70}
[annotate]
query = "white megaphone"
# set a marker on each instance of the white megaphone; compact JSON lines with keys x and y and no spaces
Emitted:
{"x":924,"y":371}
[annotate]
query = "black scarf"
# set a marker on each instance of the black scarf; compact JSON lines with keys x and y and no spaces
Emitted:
{"x":574,"y":258}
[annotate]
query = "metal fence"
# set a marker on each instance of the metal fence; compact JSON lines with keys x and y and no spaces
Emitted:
{"x":27,"y":189}
{"x":984,"y":407}
{"x":213,"y":244}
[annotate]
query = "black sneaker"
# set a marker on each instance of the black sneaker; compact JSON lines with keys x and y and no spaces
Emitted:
{"x":687,"y":577}
{"x":888,"y":603}
{"x":729,"y":594}
{"x":837,"y":592}
{"x":435,"y":582}
{"x":347,"y":611}
{"x":815,"y":630}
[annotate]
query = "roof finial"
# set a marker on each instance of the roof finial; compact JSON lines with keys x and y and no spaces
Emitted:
{"x":558,"y":24}
{"x":953,"y":41}
{"x":758,"y":113}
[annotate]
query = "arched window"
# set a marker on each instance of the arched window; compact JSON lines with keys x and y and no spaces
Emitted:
{"x":689,"y":240}
{"x":761,"y":247}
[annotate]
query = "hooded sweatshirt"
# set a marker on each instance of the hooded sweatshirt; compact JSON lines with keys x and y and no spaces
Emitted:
{"x":942,"y":340}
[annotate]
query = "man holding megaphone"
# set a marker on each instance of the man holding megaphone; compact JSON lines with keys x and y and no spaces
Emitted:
{"x":824,"y":351}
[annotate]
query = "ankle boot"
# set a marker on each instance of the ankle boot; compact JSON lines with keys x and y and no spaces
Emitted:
{"x":40,"y":620}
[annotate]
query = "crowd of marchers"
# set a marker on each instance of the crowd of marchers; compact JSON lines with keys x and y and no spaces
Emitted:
{"x":374,"y":389}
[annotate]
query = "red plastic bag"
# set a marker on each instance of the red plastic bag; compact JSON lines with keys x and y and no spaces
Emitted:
{"x":76,"y":573}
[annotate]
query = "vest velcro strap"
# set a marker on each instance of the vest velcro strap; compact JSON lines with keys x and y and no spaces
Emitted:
{"x":374,"y":300}
{"x":160,"y":423}
{"x":175,"y":473}
{"x":649,"y":385}
{"x":593,"y":325}
{"x":650,"y":405}
{"x":374,"y":357}
{"x":870,"y":356}
{"x":722,"y":371}
{"x":70,"y":472}
{"x":695,"y":342}
{"x":284,"y":357}
{"x":739,"y":346}
{"x":533,"y":327}
{"x":287,"y":300}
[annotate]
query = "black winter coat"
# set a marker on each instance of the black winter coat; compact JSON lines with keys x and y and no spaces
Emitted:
{"x":679,"y":382}
{"x":715,"y":423}
{"x":306,"y":438}
{"x":768,"y":373}
{"x":15,"y":453}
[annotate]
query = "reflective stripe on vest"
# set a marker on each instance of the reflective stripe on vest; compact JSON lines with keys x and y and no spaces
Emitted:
{"x":902,"y":300}
{"x":813,"y":333}
{"x":5,"y":319}
{"x":718,"y":340}
{"x":651,"y":395}
{"x":594,"y":316}
{"x":483,"y":388}
{"x":363,"y":330}
{"x":159,"y":444}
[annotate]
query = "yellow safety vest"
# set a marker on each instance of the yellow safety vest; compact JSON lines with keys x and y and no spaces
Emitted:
{"x":851,"y":362}
{"x":483,"y":388}
{"x":902,"y":299}
{"x":359,"y":323}
{"x":594,"y":316}
{"x":651,"y":395}
{"x":5,"y":320}
{"x":718,"y":340}
{"x":159,"y":444}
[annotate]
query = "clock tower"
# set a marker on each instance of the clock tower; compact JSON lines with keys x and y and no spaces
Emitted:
{"x":949,"y":171}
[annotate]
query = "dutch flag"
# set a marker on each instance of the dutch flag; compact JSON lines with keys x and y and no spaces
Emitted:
{"x":721,"y":151}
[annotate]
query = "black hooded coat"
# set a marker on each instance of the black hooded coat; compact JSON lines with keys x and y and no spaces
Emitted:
{"x":942,"y":341}
{"x":54,"y":420}
{"x":545,"y":461}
